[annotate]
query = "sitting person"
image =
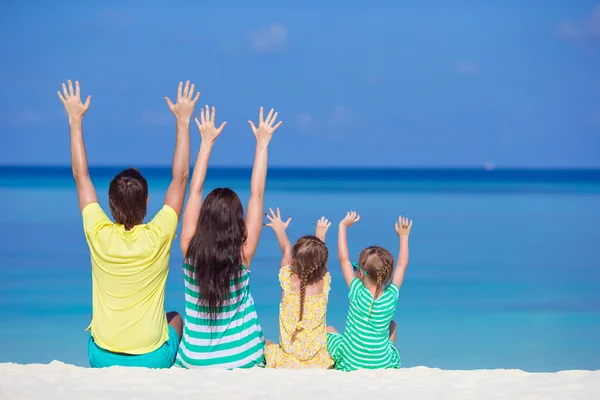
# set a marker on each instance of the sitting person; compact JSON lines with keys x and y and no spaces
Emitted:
{"x":130,"y":259}
{"x":221,"y":328}
{"x":370,"y":336}
{"x":305,"y":285}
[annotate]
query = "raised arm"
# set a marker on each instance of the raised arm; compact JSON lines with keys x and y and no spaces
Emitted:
{"x":277,"y":224}
{"x":254,"y":211}
{"x":208,"y":135}
{"x":323,"y":225}
{"x":183,"y":110}
{"x":403,"y":230}
{"x":351,"y":218}
{"x":75,"y":111}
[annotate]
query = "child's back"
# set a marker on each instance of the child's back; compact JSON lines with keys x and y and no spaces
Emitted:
{"x":303,"y":344}
{"x":305,"y":285}
{"x":366,"y":341}
{"x":369,"y":339}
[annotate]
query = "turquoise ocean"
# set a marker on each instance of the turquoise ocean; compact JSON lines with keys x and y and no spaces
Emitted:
{"x":504,"y":269}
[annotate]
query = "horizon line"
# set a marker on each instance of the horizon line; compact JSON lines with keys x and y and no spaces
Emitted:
{"x":312,"y":167}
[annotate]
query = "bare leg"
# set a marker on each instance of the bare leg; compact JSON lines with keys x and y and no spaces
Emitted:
{"x":175,"y":320}
{"x":331,"y":329}
{"x":393,"y":332}
{"x":269,"y":342}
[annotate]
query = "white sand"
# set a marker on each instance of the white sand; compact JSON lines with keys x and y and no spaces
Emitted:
{"x":61,"y":381}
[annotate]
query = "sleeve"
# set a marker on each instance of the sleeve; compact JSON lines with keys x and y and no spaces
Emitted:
{"x":94,"y":218}
{"x":354,"y":287}
{"x":284,"y":278}
{"x":393,"y":289}
{"x":165,"y":222}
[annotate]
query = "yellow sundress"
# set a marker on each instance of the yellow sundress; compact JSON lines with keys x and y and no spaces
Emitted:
{"x":309,"y":350}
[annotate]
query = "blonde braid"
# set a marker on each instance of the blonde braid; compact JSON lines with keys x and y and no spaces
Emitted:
{"x":383,"y":271}
{"x":311,"y":251}
{"x":378,"y":283}
{"x":303,"y":282}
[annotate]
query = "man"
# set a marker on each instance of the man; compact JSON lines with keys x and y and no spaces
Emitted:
{"x":129,"y":258}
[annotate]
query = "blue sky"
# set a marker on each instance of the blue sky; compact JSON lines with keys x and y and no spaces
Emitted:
{"x":412,"y":83}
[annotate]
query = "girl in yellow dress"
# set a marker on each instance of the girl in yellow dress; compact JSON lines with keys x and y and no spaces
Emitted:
{"x":305,"y":285}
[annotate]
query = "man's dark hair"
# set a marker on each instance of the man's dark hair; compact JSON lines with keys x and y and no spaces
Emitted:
{"x":128,"y":196}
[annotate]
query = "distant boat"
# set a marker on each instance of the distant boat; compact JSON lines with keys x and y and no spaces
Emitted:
{"x":489,"y":166}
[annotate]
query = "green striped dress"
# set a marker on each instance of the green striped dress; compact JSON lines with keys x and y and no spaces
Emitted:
{"x":366,"y":342}
{"x":235,"y":340}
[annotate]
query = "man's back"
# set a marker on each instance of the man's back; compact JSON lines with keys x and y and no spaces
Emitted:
{"x":129,"y":273}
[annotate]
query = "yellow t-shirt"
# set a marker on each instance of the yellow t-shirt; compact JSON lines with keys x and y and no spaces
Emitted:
{"x":129,"y":274}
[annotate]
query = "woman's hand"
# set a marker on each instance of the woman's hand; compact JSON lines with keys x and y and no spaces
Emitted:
{"x":350,"y":219}
{"x":403,"y":226}
{"x":184,"y":106}
{"x":265,"y":129}
{"x":276,"y":222}
{"x":72,"y":101}
{"x":206,"y":126}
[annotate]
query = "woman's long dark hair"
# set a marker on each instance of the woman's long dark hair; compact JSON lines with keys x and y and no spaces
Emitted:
{"x":215,"y":251}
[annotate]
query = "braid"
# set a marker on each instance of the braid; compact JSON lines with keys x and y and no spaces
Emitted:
{"x":303,"y":282}
{"x":380,"y":264}
{"x":307,"y":266}
{"x":377,"y":291}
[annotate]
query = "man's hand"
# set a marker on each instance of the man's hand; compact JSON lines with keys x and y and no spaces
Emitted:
{"x":72,"y":101}
{"x":276,"y":222}
{"x":323,"y":225}
{"x":206,"y":126}
{"x":184,"y":107}
{"x":351,"y":218}
{"x":403,"y":226}
{"x":265,"y":129}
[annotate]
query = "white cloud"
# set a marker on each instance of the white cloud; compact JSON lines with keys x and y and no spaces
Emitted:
{"x":339,"y":116}
{"x":26,"y":117}
{"x":339,"y":122}
{"x":157,"y":118}
{"x":585,"y":31}
{"x":467,"y":68}
{"x":304,"y":119}
{"x":108,"y":20}
{"x":373,"y":78}
{"x":271,"y":39}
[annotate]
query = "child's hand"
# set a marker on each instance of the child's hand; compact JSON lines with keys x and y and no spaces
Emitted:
{"x":275,"y":221}
{"x":322,"y":227}
{"x":351,"y":218}
{"x":403,"y":226}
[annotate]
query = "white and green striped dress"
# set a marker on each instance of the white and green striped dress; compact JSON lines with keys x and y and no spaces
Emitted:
{"x":366,"y":342}
{"x":235,"y":340}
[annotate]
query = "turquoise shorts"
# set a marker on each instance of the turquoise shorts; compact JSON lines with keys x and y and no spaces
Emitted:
{"x":163,"y":357}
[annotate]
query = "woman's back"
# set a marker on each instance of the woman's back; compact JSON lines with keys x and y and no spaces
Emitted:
{"x":234,"y":340}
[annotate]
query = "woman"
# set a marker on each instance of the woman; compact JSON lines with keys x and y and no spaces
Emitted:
{"x":221,"y":328}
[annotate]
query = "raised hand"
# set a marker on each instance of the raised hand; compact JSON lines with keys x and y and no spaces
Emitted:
{"x":403,"y":226}
{"x":323,"y":225}
{"x":276,"y":222}
{"x":184,"y":106}
{"x":350,"y":219}
{"x":72,"y":101}
{"x":265,"y":129}
{"x":206,"y":126}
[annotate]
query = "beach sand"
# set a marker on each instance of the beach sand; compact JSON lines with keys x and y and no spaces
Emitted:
{"x":62,"y":381}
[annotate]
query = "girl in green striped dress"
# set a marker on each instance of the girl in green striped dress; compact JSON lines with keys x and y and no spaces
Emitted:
{"x":370,"y":336}
{"x":221,"y":328}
